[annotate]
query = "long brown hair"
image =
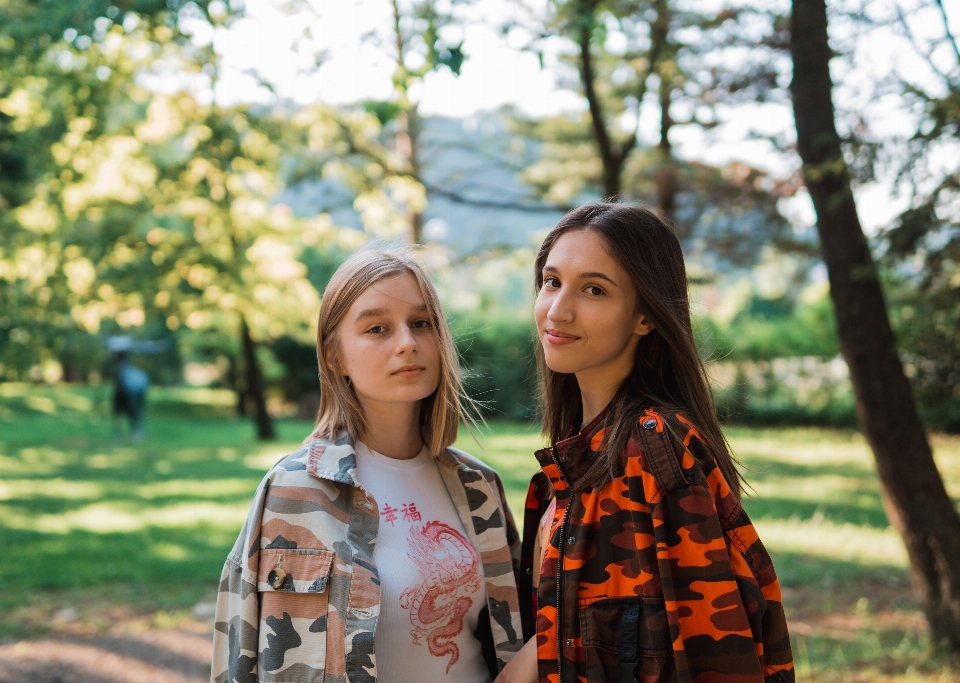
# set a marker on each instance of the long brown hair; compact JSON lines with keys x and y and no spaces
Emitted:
{"x":667,"y":370}
{"x":340,"y":410}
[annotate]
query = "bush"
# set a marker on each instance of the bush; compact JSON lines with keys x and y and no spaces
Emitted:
{"x":500,"y":373}
{"x":786,"y":391}
{"x":928,"y":334}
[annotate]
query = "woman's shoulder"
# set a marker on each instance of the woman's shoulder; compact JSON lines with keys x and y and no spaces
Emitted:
{"x":673,"y":448}
{"x":295,"y":461}
{"x":472,"y":462}
{"x":316,"y":461}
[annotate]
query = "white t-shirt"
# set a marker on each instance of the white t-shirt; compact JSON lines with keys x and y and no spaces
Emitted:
{"x":431,"y":579}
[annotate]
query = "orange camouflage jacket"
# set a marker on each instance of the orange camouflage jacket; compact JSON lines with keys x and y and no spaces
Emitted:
{"x":657,"y":576}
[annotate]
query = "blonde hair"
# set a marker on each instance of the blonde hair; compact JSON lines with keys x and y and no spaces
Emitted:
{"x":340,"y":410}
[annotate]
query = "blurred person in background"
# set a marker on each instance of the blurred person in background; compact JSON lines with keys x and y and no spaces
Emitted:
{"x":376,"y":551}
{"x":130,"y":385}
{"x":642,"y":565}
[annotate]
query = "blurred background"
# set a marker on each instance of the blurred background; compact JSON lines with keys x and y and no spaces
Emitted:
{"x":179,"y":180}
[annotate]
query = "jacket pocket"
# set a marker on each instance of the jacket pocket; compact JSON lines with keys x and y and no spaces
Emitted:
{"x":292,"y":588}
{"x":626,"y":640}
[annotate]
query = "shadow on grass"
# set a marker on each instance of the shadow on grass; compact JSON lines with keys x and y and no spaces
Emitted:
{"x":759,"y":470}
{"x":866,"y":511}
{"x":796,"y":569}
{"x":157,"y":555}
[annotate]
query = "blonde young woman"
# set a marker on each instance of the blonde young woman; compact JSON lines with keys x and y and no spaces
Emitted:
{"x":376,"y":552}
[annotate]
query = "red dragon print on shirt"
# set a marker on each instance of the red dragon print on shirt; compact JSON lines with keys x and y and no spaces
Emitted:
{"x":450,"y":568}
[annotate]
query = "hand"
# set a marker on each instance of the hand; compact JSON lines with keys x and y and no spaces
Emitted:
{"x":523,"y":667}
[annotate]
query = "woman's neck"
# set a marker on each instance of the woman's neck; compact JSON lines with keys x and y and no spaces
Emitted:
{"x":393,"y":429}
{"x":597,"y":389}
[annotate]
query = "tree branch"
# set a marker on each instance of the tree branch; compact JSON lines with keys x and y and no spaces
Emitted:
{"x":916,"y":46}
{"x":491,"y":204}
{"x":946,"y":29}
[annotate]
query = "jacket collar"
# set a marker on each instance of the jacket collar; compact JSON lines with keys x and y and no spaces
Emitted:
{"x":570,"y":458}
{"x":337,"y":460}
{"x":334,"y":460}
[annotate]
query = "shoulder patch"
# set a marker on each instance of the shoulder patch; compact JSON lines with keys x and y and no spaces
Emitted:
{"x":664,"y":452}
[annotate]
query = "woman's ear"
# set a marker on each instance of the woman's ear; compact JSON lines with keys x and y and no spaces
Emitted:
{"x":643,"y":326}
{"x":331,"y":362}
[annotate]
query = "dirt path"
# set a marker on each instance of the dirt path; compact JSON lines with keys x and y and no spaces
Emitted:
{"x":160,"y":656}
{"x":141,"y":649}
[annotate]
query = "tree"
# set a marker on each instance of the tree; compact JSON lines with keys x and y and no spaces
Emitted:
{"x":916,"y":500}
{"x":629,"y":57}
{"x":142,"y":206}
{"x":587,"y":24}
{"x":192,"y":236}
{"x":419,"y":47}
{"x":923,"y":244}
{"x":618,"y":51}
{"x":65,"y":67}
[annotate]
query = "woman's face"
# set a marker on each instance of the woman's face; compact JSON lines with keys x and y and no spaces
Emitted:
{"x":388,"y":346}
{"x":586,"y":311}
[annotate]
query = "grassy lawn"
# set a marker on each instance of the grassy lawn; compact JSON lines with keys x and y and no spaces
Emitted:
{"x":97,"y":529}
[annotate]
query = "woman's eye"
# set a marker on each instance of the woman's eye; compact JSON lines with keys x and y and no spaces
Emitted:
{"x":421,"y":324}
{"x":376,"y":329}
{"x":593,"y":290}
{"x":551,"y":282}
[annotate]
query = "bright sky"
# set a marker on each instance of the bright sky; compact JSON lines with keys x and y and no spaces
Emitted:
{"x":280,"y":46}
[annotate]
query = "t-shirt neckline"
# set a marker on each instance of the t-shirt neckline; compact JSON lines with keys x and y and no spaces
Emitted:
{"x":386,"y":461}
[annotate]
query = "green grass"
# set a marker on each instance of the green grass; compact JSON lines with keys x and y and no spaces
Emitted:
{"x":114,"y":529}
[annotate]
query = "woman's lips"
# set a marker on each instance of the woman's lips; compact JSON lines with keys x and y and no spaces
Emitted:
{"x":558,"y":338}
{"x":408,"y":371}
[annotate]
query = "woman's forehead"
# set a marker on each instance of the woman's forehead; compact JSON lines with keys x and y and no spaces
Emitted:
{"x":581,"y":249}
{"x":395,"y":293}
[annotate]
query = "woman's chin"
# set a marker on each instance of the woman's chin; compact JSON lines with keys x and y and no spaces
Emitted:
{"x":562,"y":365}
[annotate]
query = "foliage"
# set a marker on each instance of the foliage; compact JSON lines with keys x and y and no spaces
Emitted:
{"x":769,"y":328}
{"x":141,"y":210}
{"x":626,"y":58}
{"x":927,"y":321}
{"x":65,"y":72}
{"x":423,"y":39}
{"x":498,"y":359}
{"x":922,"y":246}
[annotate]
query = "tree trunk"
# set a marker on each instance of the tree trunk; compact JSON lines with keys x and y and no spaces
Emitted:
{"x":413,"y":159}
{"x":237,"y":382}
{"x":255,"y":387}
{"x":407,"y":145}
{"x":914,"y":495}
{"x":610,"y":157}
{"x":408,"y":125}
{"x":665,"y":176}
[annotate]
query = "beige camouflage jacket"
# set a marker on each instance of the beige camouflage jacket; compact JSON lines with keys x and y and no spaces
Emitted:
{"x":311,"y":519}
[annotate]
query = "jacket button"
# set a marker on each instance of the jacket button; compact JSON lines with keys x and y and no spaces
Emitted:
{"x":649,"y":423}
{"x":571,"y":540}
{"x":569,"y":643}
{"x":276,"y":578}
{"x":529,"y":571}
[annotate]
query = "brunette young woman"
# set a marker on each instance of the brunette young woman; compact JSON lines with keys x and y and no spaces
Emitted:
{"x":640,"y":563}
{"x":376,"y":552}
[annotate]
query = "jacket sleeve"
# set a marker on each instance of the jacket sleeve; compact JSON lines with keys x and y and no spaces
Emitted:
{"x":236,"y":628}
{"x":539,"y":495}
{"x":513,"y":535}
{"x":722,"y":596}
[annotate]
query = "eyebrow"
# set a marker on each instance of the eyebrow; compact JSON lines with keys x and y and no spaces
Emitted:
{"x":377,"y":312}
{"x":585,"y":276}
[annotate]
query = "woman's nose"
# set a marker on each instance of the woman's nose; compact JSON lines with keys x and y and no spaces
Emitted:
{"x":406,"y":341}
{"x":560,"y":309}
